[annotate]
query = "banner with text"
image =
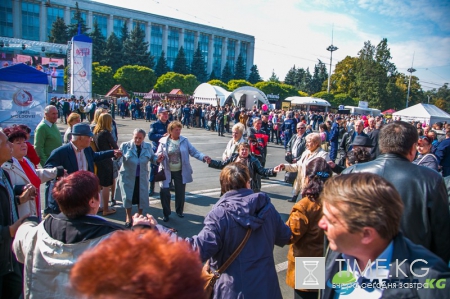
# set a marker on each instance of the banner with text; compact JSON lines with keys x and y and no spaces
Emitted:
{"x":22,"y":103}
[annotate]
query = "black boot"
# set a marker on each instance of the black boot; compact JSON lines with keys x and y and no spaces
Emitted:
{"x":151,"y":192}
{"x":293,"y":199}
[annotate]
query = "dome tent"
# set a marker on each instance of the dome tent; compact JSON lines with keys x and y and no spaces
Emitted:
{"x":247,"y":95}
{"x":206,"y":93}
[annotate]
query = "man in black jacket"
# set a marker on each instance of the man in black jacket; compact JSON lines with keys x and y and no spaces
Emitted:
{"x":297,"y":144}
{"x":368,"y":257}
{"x":426,"y":216}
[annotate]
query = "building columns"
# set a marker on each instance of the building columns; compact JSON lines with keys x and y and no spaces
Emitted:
{"x":250,"y":56}
{"x":181,"y":39}
{"x":165,"y":32}
{"x":43,"y":22}
{"x":224,"y":53}
{"x":209,"y":65}
{"x":148,"y":34}
{"x":110,"y":25}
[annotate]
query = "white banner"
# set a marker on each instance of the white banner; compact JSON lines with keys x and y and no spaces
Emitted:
{"x":22,"y":103}
{"x":81,"y":69}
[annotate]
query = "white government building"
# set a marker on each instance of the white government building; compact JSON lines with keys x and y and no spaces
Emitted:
{"x":32,"y":20}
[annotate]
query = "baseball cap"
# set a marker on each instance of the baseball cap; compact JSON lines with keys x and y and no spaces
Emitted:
{"x":162,"y":110}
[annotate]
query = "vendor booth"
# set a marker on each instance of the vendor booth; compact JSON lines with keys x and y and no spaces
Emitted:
{"x":23,"y":96}
{"x":209,"y":94}
{"x":427,"y":113}
{"x":309,"y":103}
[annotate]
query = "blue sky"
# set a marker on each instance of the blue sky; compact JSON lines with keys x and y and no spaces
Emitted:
{"x":297,"y":32}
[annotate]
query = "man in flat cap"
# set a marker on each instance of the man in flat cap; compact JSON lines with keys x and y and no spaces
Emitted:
{"x":75,"y":155}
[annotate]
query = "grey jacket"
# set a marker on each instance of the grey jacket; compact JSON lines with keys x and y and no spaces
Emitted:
{"x":186,"y":149}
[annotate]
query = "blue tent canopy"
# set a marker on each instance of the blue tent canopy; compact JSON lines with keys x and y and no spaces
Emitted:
{"x":23,"y":73}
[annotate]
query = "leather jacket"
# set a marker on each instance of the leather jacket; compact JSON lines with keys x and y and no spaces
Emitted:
{"x":426,"y":216}
{"x":300,"y":149}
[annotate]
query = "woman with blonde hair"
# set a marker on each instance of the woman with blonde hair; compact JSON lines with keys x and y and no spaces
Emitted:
{"x":97,"y":114}
{"x":73,"y":119}
{"x":104,"y":141}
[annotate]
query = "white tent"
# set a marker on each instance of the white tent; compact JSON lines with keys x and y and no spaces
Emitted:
{"x":308,"y":102}
{"x":248,"y":96}
{"x":427,"y":113}
{"x":206,"y":93}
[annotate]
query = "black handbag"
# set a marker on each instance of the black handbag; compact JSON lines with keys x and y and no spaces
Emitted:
{"x":160,"y":176}
{"x":289,"y":177}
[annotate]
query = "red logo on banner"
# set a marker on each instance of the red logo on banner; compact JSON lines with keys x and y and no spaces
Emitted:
{"x":83,"y":52}
{"x":22,"y":98}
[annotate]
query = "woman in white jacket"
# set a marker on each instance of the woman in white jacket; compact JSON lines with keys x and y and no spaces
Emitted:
{"x":22,"y":171}
{"x":238,"y":137}
{"x":176,"y":150}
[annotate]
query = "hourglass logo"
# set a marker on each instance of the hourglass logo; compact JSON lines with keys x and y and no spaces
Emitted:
{"x":310,"y":273}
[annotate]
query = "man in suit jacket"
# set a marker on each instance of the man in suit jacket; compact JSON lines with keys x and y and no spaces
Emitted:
{"x":73,"y":156}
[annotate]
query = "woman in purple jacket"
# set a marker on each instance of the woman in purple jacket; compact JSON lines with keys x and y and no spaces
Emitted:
{"x":252,"y":274}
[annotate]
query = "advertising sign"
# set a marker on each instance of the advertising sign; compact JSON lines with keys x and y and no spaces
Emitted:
{"x":27,"y":104}
{"x":81,"y":67}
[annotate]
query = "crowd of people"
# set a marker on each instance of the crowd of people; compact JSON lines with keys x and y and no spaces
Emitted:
{"x":375,"y":187}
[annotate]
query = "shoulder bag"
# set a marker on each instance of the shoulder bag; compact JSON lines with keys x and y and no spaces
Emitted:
{"x":160,"y":175}
{"x":210,"y":278}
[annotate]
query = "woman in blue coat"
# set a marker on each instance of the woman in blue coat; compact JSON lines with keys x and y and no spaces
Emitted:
{"x":176,"y":150}
{"x":252,"y":274}
{"x":132,"y":186}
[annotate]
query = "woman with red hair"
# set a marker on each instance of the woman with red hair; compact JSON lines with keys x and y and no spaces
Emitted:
{"x":139,"y":264}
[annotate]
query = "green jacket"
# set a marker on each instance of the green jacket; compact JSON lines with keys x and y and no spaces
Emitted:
{"x":46,"y":139}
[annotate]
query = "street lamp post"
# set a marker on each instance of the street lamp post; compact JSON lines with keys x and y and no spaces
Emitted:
{"x":331,"y":49}
{"x":410,"y":71}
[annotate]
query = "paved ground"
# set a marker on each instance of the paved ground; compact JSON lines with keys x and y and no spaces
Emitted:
{"x":204,"y":191}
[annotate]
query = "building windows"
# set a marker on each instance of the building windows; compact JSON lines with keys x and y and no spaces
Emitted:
{"x":140,"y":24}
{"x":72,"y":15}
{"x":231,"y":57}
{"x":203,"y":43}
{"x":172,"y":45}
{"x":30,"y":21}
{"x":117,"y":27}
{"x":156,"y":41}
{"x":6,"y":18}
{"x":217,"y":56}
{"x":52,"y":14}
{"x":189,"y":48}
{"x":102,"y":22}
{"x":244,"y":48}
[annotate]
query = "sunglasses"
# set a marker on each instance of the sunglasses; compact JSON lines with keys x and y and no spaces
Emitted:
{"x":426,"y":138}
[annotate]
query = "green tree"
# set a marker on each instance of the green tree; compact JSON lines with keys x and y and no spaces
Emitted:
{"x":343,"y":99}
{"x":112,"y":52}
{"x":318,"y":77}
{"x":217,"y":82}
{"x":302,"y":94}
{"x":254,"y":76}
{"x":58,"y":34}
{"x":124,"y":34}
{"x":306,"y":82}
{"x":171,"y":80}
{"x":102,"y":78}
{"x":234,"y":84}
{"x":227,"y":73}
{"x":198,"y":67}
{"x":213,"y":76}
{"x":98,"y":43}
{"x":274,"y":78}
{"x":135,"y":49}
{"x":161,"y":66}
{"x":271,"y":87}
{"x":180,"y":64}
{"x":301,"y":78}
{"x":344,"y":78}
{"x":291,"y":76}
{"x":135,"y":78}
{"x":77,"y":20}
{"x":240,"y":69}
